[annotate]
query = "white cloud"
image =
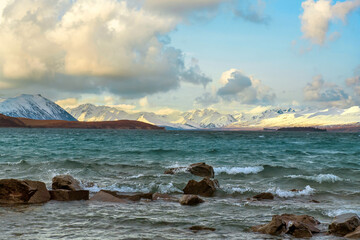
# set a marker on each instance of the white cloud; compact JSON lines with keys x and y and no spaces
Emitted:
{"x":88,"y":46}
{"x":143,"y":102}
{"x":317,"y":16}
{"x":244,"y":89}
{"x":327,"y":94}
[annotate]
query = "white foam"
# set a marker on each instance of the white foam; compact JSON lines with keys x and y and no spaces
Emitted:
{"x":333,"y":213}
{"x":232,"y":190}
{"x":288,"y":194}
{"x":167,"y":188}
{"x":136,"y":176}
{"x":319,"y":178}
{"x":238,"y":170}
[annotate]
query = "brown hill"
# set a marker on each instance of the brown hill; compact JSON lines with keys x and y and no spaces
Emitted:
{"x":6,"y":121}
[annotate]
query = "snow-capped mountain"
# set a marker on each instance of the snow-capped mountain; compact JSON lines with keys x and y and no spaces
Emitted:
{"x":34,"y":107}
{"x":212,"y":119}
{"x":197,"y":119}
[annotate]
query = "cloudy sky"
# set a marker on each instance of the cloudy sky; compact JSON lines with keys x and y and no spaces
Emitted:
{"x":229,"y":55}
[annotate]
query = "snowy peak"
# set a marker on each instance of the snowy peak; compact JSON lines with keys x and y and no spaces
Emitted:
{"x":34,"y":107}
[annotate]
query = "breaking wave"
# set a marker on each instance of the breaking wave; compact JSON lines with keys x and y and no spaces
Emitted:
{"x":238,"y":170}
{"x":319,"y":178}
{"x":288,"y":194}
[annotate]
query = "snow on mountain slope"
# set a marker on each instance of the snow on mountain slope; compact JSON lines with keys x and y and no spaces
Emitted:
{"x":34,"y":107}
{"x":211,"y":119}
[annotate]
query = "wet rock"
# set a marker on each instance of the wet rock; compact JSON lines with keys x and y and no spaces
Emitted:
{"x":344,"y":224}
{"x":355,"y":234}
{"x":69,"y":195}
{"x":105,"y":196}
{"x":111,"y":196}
{"x":164,"y":197}
{"x":314,"y":201}
{"x":201,"y":228}
{"x":299,"y":226}
{"x":23,"y":191}
{"x":264,"y":196}
{"x":191,"y":200}
{"x":205,"y":187}
{"x":201,"y":170}
{"x":66,"y":182}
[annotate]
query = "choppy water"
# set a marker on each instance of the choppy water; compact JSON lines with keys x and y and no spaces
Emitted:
{"x":324,"y":166}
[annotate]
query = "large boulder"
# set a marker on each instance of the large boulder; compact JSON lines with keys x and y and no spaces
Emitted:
{"x":201,"y":170}
{"x":355,"y":234}
{"x":69,"y":195}
{"x":23,"y":191}
{"x":112,"y":196}
{"x":66,"y":182}
{"x":205,"y":187}
{"x":191,"y":200}
{"x":344,"y":224}
{"x":299,"y":226}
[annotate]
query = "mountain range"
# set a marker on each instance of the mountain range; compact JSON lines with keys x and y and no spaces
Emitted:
{"x":38,"y":107}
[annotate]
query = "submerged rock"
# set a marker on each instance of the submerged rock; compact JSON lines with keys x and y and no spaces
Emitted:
{"x":264,"y":196}
{"x":205,"y":187}
{"x":201,"y":228}
{"x":344,"y":224}
{"x":164,"y":197}
{"x":191,"y":200}
{"x":299,"y":226}
{"x":66,"y":182}
{"x":23,"y":191}
{"x":355,"y":234}
{"x":201,"y":170}
{"x":69,"y":195}
{"x":111,"y":196}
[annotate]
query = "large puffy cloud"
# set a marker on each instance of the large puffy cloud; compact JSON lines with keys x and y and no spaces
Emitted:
{"x":327,"y":94}
{"x":90,"y":45}
{"x":244,"y":89}
{"x":317,"y":16}
{"x":240,"y":88}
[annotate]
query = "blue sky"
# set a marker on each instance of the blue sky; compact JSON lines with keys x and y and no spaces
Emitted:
{"x":108,"y":52}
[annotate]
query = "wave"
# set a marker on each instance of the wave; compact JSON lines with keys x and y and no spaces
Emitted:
{"x":337,"y":212}
{"x":319,"y":178}
{"x":288,"y":194}
{"x":234,"y":190}
{"x":153,"y":187}
{"x":238,"y":170}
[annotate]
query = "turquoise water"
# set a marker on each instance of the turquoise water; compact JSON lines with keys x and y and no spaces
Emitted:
{"x":323,"y":166}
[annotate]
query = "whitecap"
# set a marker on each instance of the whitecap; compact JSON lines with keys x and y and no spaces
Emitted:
{"x":288,"y":194}
{"x":238,"y":170}
{"x":232,"y":190}
{"x":167,"y":188}
{"x":319,"y":178}
{"x":333,"y":213}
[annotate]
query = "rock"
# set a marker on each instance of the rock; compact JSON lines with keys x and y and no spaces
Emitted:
{"x":205,"y":187}
{"x":173,"y":171}
{"x":111,"y":196}
{"x":66,"y":182}
{"x":164,"y":197}
{"x":263,"y":196}
{"x":344,"y":224}
{"x":314,"y":201}
{"x":69,"y":195}
{"x":201,"y":170}
{"x":201,"y":228}
{"x":191,"y":200}
{"x":23,"y":191}
{"x":355,"y":234}
{"x":300,"y":226}
{"x":105,"y":196}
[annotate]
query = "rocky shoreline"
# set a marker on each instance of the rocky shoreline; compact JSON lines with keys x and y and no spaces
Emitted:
{"x":67,"y":188}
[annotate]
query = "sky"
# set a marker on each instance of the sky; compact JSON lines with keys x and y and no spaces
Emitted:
{"x":159,"y":55}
